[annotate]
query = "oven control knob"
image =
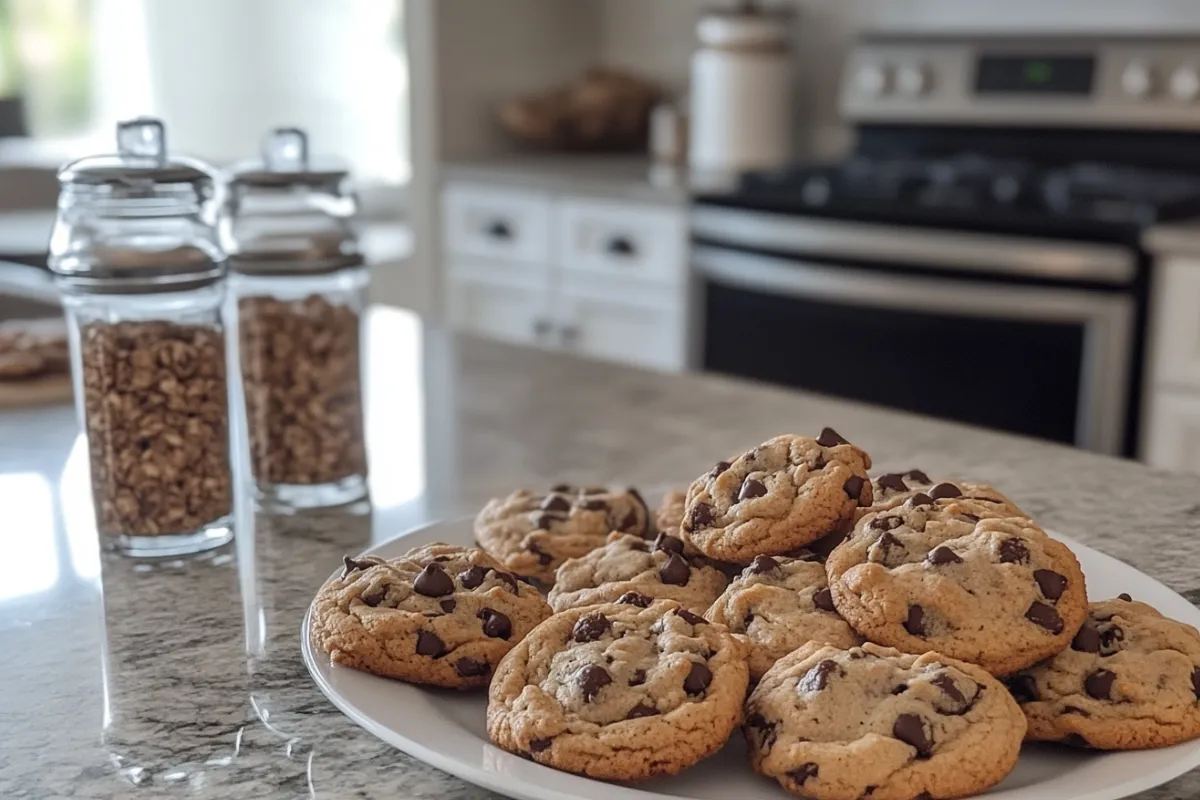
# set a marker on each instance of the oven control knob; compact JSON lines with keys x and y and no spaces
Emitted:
{"x":872,"y":80}
{"x":1137,"y":79}
{"x":1185,"y":83}
{"x":912,"y":80}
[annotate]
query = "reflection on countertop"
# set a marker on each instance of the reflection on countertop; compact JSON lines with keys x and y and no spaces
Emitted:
{"x":184,"y":677}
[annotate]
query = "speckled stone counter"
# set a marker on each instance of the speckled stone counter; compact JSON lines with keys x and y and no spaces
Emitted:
{"x":184,"y":678}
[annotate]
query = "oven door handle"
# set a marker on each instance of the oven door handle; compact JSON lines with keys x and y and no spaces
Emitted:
{"x":954,"y":251}
{"x":1107,"y":318}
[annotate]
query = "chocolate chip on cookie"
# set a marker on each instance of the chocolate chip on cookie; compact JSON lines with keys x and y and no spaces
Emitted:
{"x":675,"y":571}
{"x":428,"y":644}
{"x":635,"y":599}
{"x":752,"y":488}
{"x":495,"y":624}
{"x":830,"y":438}
{"x":591,"y":680}
{"x":590,"y":628}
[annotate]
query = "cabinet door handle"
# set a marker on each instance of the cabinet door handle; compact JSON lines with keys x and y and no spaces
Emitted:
{"x":542,"y":327}
{"x":621,"y":246}
{"x":499,"y":229}
{"x":568,"y":335}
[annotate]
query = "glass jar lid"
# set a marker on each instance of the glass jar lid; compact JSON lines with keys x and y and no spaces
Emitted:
{"x":288,"y":213}
{"x":140,"y":164}
{"x":139,"y":220}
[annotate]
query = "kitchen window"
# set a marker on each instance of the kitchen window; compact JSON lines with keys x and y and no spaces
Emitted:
{"x":219,"y":72}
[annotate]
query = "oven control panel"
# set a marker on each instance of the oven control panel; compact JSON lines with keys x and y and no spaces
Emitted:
{"x":1125,"y":83}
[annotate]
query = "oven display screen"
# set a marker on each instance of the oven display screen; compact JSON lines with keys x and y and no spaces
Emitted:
{"x":1032,"y":74}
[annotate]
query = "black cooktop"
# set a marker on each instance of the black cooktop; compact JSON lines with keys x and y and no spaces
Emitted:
{"x":1108,"y":194}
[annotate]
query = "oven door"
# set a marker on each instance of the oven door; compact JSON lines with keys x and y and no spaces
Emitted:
{"x":1046,"y":361}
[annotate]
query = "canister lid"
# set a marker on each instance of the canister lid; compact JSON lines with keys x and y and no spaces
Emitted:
{"x":746,"y":26}
{"x":137,"y":221}
{"x":288,"y":213}
{"x":286,"y":161}
{"x":140,"y":163}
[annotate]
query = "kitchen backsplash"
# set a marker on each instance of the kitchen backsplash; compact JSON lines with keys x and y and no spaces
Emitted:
{"x":656,"y":38}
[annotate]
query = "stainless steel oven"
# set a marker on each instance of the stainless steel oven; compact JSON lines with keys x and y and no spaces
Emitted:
{"x":1027,"y":334}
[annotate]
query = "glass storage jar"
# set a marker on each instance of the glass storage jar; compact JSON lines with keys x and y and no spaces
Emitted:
{"x":300,"y":286}
{"x":141,"y":275}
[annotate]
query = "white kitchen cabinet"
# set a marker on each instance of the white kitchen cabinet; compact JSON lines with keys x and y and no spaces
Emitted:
{"x":1172,"y":437}
{"x":1175,"y":323}
{"x":1170,"y":432}
{"x":647,"y":330}
{"x":596,"y":277}
{"x":511,"y":305}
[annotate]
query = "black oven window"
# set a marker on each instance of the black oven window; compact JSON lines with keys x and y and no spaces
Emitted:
{"x":1015,"y":376}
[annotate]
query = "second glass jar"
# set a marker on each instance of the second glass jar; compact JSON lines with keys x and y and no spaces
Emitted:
{"x":299,"y":285}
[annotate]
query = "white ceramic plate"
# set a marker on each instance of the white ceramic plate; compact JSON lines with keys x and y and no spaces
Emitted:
{"x":446,"y":729}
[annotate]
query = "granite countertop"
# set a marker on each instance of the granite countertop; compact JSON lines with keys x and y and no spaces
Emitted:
{"x":184,"y":678}
{"x":613,"y":176}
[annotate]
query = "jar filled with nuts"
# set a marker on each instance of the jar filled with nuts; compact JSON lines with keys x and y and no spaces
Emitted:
{"x":136,"y":260}
{"x":299,"y":284}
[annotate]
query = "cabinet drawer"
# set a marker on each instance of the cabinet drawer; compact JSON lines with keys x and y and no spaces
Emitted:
{"x":492,"y":221}
{"x":647,"y":242}
{"x":507,"y":304}
{"x":619,"y":323}
{"x":1171,"y":439}
{"x":1175,"y":323}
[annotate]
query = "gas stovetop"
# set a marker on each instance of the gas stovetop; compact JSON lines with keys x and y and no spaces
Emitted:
{"x":1084,"y":199}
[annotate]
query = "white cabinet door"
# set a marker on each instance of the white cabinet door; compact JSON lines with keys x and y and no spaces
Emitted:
{"x":645,"y":328}
{"x":1175,"y":323}
{"x":1172,"y":436}
{"x":510,"y":305}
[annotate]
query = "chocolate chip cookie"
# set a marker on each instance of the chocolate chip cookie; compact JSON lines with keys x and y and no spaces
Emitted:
{"x":657,"y":569}
{"x":776,"y":498}
{"x":951,"y":576}
{"x":780,"y":603}
{"x":894,"y":488}
{"x":835,"y":724}
{"x":622,"y":691}
{"x":669,"y":515}
{"x":440,"y":615}
{"x":1129,"y":680}
{"x":533,"y":534}
{"x":33,"y":349}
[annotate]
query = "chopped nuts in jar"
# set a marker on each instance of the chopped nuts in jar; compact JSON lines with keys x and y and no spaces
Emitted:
{"x":156,"y":417}
{"x":300,"y":371}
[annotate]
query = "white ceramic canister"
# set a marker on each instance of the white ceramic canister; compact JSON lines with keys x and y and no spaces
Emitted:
{"x":742,"y":90}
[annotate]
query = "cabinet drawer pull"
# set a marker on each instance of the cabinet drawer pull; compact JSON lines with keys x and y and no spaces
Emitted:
{"x":621,"y":246}
{"x":499,"y":229}
{"x":542,"y":327}
{"x":569,"y":334}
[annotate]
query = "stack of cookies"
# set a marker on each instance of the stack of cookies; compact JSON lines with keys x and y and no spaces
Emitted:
{"x":896,"y":637}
